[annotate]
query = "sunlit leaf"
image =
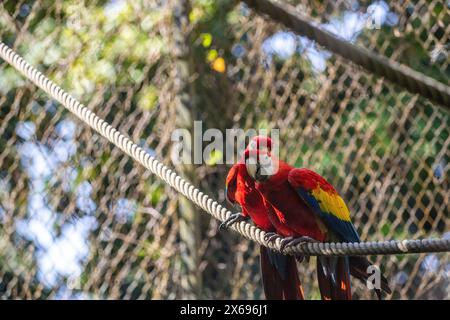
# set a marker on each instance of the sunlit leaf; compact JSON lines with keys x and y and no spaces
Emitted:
{"x":212,"y":55}
{"x":219,"y":65}
{"x":206,"y":39}
{"x":195,"y":15}
{"x":214,"y":157}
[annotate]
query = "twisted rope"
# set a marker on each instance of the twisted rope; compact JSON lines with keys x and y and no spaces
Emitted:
{"x":194,"y":194}
{"x":411,"y":80}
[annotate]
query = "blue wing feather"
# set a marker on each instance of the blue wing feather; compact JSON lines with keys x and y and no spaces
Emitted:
{"x":344,"y":229}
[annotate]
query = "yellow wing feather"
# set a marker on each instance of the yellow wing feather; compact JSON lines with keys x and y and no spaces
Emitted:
{"x":331,"y":203}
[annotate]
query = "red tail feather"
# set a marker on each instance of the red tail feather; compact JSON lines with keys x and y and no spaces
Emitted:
{"x":280,"y":276}
{"x":334,"y":278}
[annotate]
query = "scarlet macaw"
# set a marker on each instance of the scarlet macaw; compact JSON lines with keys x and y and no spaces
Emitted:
{"x":303,"y":206}
{"x":279,"y":272}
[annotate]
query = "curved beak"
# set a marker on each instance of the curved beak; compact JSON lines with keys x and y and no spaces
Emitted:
{"x":257,"y":170}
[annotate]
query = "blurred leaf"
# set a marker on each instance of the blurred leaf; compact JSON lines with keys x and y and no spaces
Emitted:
{"x":219,"y":65}
{"x":206,"y":39}
{"x":10,"y":79}
{"x":148,"y":97}
{"x":195,"y":15}
{"x":386,"y":228}
{"x":214,"y":157}
{"x":263,"y":124}
{"x":212,"y":55}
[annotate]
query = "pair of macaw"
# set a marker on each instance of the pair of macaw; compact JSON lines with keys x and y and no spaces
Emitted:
{"x":301,"y":206}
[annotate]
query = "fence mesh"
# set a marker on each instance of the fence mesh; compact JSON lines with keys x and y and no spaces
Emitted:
{"x":78,"y":219}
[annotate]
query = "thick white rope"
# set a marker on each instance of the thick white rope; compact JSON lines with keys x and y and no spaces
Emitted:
{"x":195,"y":195}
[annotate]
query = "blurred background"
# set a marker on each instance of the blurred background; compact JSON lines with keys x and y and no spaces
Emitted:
{"x":80,"y":220}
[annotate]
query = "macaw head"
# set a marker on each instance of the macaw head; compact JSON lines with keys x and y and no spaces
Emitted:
{"x":261,"y":143}
{"x":260,"y":164}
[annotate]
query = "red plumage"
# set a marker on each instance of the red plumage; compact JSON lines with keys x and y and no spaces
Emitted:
{"x":279,"y":272}
{"x":301,"y":203}
{"x":296,"y":203}
{"x":310,"y":180}
{"x":290,"y":215}
{"x":241,"y":189}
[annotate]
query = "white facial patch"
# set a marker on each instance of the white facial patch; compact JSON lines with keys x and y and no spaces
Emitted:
{"x":253,"y":145}
{"x":251,"y":167}
{"x":266,"y":165}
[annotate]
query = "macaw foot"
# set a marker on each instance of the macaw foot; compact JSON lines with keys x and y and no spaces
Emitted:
{"x":288,"y":241}
{"x":234,"y":218}
{"x":271,"y":236}
{"x":291,"y":241}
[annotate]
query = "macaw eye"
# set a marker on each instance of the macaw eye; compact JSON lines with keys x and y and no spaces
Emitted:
{"x":266,"y":166}
{"x":265,"y":159}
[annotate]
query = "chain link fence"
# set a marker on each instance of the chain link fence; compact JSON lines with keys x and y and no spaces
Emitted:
{"x":78,"y":219}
